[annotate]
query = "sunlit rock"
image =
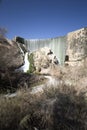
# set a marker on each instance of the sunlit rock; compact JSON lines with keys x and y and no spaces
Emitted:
{"x":42,"y":60}
{"x":76,"y":52}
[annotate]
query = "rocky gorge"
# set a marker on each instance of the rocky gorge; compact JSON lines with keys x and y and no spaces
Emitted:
{"x":48,"y":95}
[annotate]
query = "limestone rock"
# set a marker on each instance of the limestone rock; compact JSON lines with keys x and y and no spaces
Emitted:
{"x":76,"y":51}
{"x":42,"y":60}
{"x":11,"y":54}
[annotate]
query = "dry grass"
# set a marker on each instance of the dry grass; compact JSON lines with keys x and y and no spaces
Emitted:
{"x":60,"y":108}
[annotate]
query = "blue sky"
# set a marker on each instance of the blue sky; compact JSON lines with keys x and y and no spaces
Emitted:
{"x":42,"y":18}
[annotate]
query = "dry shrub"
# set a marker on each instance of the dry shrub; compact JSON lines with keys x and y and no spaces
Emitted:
{"x":70,"y":111}
{"x":60,"y":108}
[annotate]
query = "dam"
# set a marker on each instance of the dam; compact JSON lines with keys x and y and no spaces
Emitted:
{"x":70,"y":48}
{"x":57,"y":45}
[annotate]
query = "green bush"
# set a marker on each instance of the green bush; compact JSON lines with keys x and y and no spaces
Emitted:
{"x":31,"y":66}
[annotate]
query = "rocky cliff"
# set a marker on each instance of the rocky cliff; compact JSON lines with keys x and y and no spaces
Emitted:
{"x":76,"y":52}
{"x":11,"y":54}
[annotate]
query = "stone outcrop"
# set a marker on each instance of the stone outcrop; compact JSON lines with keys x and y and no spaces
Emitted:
{"x":42,"y":60}
{"x":76,"y":52}
{"x":11,"y":54}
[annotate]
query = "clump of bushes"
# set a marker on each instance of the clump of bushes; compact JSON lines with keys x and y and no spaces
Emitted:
{"x":60,"y":108}
{"x":31,"y":66}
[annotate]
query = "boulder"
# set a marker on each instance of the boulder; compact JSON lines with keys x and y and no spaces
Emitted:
{"x":11,"y":54}
{"x":41,"y":61}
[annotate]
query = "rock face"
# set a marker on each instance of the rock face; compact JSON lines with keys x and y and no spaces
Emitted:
{"x":76,"y":52}
{"x":42,"y":60}
{"x":11,"y":58}
{"x":11,"y":54}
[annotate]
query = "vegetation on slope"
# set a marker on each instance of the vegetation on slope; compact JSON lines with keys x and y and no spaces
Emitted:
{"x":60,"y":108}
{"x":31,"y":66}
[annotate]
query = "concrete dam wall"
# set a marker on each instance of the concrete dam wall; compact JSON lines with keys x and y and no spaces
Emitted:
{"x":57,"y":45}
{"x":70,"y":48}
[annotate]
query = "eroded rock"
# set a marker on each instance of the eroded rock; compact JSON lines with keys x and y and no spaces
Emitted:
{"x":76,"y":52}
{"x":42,"y":60}
{"x":11,"y":54}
